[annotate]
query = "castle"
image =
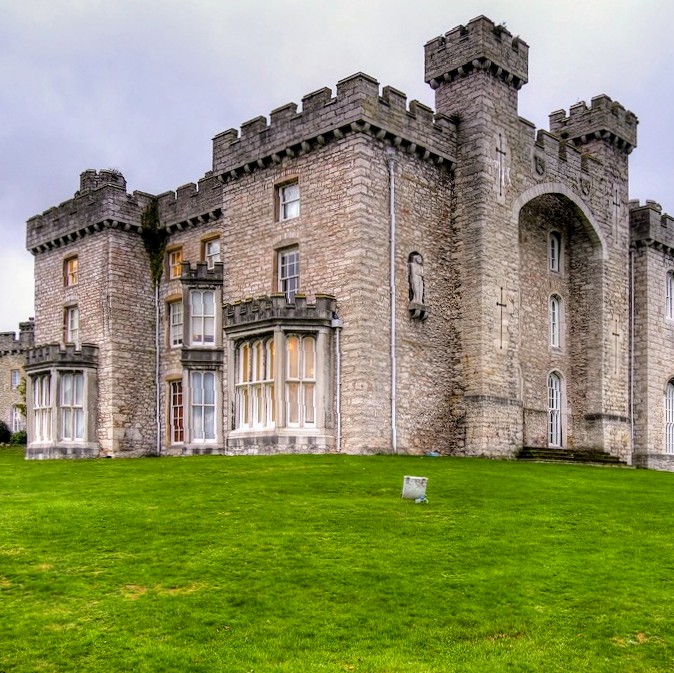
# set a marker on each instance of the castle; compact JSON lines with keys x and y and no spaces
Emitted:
{"x":367,"y":275}
{"x":12,"y":358}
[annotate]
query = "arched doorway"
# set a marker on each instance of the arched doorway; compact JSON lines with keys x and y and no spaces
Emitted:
{"x":561,"y":283}
{"x":554,"y":410}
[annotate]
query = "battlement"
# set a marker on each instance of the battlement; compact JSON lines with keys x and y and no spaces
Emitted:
{"x":357,"y":107}
{"x":273,"y":310}
{"x":649,"y":226}
{"x":605,"y":119}
{"x":101,"y":202}
{"x":479,"y":45}
{"x":201,"y":273}
{"x":191,"y":204}
{"x":9,"y":344}
{"x":91,"y":180}
{"x":61,"y":356}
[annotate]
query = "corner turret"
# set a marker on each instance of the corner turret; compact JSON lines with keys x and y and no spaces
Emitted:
{"x":481,"y":45}
{"x":604,"y":120}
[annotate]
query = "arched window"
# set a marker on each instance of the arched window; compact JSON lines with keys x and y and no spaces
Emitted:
{"x":554,"y":410}
{"x":669,"y":418}
{"x":255,"y":384}
{"x":301,"y":381}
{"x":555,"y":316}
{"x":554,"y":251}
{"x":669,"y":295}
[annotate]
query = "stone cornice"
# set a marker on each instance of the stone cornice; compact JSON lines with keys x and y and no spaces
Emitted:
{"x":58,"y":355}
{"x":269,"y":311}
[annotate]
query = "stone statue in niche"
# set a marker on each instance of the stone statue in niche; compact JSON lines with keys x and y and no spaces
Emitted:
{"x":415,"y":265}
{"x":416,"y":270}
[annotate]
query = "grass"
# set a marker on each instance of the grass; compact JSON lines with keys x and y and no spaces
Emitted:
{"x":313,"y":563}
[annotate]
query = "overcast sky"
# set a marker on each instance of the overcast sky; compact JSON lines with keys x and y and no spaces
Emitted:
{"x":143,"y":85}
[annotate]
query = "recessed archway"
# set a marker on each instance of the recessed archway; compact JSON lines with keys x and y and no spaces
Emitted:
{"x":561,"y":312}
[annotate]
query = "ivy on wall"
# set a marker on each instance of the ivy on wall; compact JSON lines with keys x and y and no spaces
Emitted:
{"x":154,"y":238}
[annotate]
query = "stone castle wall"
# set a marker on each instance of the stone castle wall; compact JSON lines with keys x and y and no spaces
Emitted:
{"x":12,"y":358}
{"x":477,"y":193}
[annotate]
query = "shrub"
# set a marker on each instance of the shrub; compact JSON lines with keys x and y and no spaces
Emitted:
{"x":18,"y":438}
{"x":4,"y":433}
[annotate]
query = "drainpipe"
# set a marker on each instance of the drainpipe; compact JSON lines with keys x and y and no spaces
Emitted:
{"x":337,"y":325}
{"x":632,"y":312}
{"x":156,"y":370}
{"x":390,"y":152}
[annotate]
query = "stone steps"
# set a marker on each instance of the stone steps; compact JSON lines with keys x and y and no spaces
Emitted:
{"x":588,"y":456}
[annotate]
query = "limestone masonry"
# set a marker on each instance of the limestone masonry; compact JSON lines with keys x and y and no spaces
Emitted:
{"x":363,"y":274}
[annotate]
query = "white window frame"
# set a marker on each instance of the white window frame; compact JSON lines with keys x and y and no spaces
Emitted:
{"x":70,"y":271}
{"x":669,"y":418}
{"x":669,"y":295}
{"x":554,"y":251}
{"x":202,"y":323}
{"x":18,"y":421}
{"x":175,"y":263}
{"x":175,"y":319}
{"x":211,"y":252}
{"x":176,"y":412}
{"x":555,"y":399}
{"x":71,"y":406}
{"x":202,"y":406}
{"x":555,"y":320}
{"x":15,"y":378}
{"x":288,"y":262}
{"x":300,"y":380}
{"x":289,"y":200}
{"x":255,"y":386}
{"x":42,"y":409}
{"x":71,"y":324}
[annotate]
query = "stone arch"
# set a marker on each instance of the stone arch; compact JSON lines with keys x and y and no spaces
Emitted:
{"x":575,"y":343}
{"x":561,"y":189}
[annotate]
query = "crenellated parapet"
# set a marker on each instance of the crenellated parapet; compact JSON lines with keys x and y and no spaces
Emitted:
{"x":101,"y":202}
{"x":200,"y":273}
{"x":551,"y":149}
{"x":605,"y":119}
{"x":274,"y":310}
{"x":192,"y":204}
{"x":10,"y":344}
{"x":651,"y":227}
{"x":57,"y":355}
{"x":480,"y":45}
{"x":357,"y":107}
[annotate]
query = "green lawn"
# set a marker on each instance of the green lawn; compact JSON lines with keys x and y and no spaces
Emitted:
{"x":313,"y":563}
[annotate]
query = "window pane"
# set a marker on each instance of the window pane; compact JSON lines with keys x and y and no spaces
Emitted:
{"x":209,"y":303}
{"x":79,"y":424}
{"x":309,"y":357}
{"x":67,"y":383}
{"x":244,"y":415}
{"x":209,"y":423}
{"x":198,"y":422}
{"x":209,"y":330}
{"x":244,"y":363}
{"x":209,"y":388}
{"x":309,"y":411}
{"x":197,"y":391}
{"x":196,"y":303}
{"x":293,"y":390}
{"x":79,"y":390}
{"x":66,"y":421}
{"x":293,"y":357}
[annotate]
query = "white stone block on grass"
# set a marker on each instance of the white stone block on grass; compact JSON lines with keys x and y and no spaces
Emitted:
{"x":414,"y":487}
